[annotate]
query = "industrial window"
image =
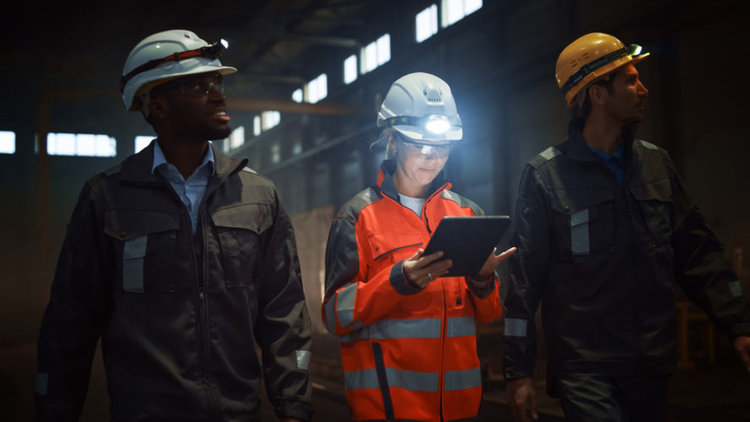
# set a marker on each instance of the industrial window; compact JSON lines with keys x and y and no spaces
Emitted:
{"x":317,"y":89}
{"x":7,"y":142}
{"x":237,"y":137}
{"x":142,"y":142}
{"x":426,"y":23}
{"x":275,"y":152}
{"x":269,"y":119}
{"x":375,"y":54}
{"x":297,"y":147}
{"x":256,"y":125}
{"x":297,"y":95}
{"x":455,"y":10}
{"x":350,"y":69}
{"x":81,"y":144}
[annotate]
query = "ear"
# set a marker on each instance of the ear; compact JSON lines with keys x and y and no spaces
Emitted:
{"x":598,"y":94}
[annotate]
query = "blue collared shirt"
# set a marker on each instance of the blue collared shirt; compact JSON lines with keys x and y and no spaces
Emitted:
{"x":615,"y":162}
{"x":190,"y":191}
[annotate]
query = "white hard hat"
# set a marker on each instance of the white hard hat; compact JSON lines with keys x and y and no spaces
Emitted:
{"x":421,"y":107}
{"x":167,"y":55}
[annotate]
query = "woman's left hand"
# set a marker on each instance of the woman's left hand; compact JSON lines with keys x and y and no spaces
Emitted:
{"x":492,"y":262}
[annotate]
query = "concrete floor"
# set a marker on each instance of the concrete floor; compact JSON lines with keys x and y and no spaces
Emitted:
{"x":720,"y":392}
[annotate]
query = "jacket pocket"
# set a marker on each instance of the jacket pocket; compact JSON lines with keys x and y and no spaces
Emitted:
{"x":389,"y":248}
{"x":583,"y":221}
{"x":238,"y":230}
{"x":145,"y":248}
{"x":656,"y":202}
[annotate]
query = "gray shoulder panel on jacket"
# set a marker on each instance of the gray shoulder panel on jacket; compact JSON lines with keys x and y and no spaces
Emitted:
{"x":462,"y":201}
{"x":649,"y":145}
{"x":354,"y":206}
{"x":544,"y":156}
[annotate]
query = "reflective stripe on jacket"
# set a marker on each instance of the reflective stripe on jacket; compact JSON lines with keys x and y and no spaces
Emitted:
{"x":407,"y":353}
{"x":178,"y":315}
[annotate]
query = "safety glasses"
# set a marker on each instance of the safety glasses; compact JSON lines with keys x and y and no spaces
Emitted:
{"x":211,"y":52}
{"x":437,"y":151}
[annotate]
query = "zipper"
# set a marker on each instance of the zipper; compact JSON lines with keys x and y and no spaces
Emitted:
{"x":424,"y":206}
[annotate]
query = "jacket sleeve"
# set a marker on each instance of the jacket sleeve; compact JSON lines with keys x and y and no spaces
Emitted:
{"x":353,"y":298}
{"x":485,"y":296}
{"x":283,"y":325}
{"x":74,"y":318}
{"x":527,"y":271}
{"x":702,"y":266}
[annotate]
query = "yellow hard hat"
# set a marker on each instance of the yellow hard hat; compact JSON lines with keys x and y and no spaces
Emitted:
{"x":590,"y":57}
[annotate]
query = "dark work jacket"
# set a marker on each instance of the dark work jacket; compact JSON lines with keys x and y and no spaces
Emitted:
{"x":603,"y":260}
{"x":178,"y":315}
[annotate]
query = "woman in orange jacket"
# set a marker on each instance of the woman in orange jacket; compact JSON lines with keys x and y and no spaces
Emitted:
{"x":408,"y":335}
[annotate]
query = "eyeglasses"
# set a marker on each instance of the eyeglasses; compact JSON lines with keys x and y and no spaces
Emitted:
{"x":211,"y":52}
{"x":195,"y":86}
{"x":437,"y":151}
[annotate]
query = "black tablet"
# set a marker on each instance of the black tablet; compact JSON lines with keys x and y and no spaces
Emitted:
{"x":468,"y":241}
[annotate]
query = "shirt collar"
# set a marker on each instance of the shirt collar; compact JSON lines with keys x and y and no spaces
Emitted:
{"x":603,"y":156}
{"x":160,"y":159}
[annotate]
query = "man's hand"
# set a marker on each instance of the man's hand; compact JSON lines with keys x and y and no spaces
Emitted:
{"x":492,"y":262}
{"x":522,"y":400}
{"x":421,"y":270}
{"x":742,"y":346}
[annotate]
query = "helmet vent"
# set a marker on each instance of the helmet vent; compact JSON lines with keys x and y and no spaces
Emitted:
{"x":433,"y":95}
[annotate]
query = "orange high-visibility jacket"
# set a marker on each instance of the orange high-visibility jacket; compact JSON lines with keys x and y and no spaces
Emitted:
{"x":407,"y":353}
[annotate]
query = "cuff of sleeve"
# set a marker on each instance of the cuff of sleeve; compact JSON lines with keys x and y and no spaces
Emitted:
{"x":398,"y":281}
{"x":294,"y":409}
{"x":511,"y":373}
{"x":481,"y":289}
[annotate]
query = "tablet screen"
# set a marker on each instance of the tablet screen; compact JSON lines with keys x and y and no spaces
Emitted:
{"x":468,"y":241}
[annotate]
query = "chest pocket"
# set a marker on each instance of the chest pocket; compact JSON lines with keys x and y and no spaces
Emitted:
{"x":239,"y":229}
{"x":145,"y":244}
{"x":655,"y":200}
{"x":583,"y":221}
{"x":391,"y":247}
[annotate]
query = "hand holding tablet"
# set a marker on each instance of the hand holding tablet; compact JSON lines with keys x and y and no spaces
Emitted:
{"x":467,"y":241}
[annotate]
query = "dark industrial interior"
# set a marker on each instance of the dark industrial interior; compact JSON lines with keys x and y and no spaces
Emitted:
{"x":62,"y":63}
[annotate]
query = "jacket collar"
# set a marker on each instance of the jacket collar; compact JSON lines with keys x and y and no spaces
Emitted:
{"x":137,"y":167}
{"x":578,"y":150}
{"x":388,"y":188}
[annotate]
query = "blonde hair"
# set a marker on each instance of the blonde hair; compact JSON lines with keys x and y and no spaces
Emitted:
{"x":385,"y":137}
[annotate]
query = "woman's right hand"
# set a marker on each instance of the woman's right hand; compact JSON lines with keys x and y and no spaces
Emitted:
{"x":420,"y":270}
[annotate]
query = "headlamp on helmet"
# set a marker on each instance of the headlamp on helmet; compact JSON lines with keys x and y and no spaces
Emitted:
{"x":633,"y":50}
{"x":211,"y":52}
{"x":433,"y":123}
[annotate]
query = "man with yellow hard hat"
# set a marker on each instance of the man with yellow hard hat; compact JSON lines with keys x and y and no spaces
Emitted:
{"x":604,"y":228}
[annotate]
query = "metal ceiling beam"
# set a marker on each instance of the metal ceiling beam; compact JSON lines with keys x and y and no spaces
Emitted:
{"x":288,"y":106}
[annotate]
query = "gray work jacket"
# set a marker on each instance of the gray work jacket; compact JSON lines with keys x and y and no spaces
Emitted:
{"x":603,"y":260}
{"x":178,"y":315}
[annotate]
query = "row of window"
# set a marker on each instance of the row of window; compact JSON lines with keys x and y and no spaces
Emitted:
{"x":371,"y":56}
{"x":378,"y":52}
{"x":91,"y":145}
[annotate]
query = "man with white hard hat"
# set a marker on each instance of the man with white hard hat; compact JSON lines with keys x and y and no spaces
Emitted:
{"x":180,"y":260}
